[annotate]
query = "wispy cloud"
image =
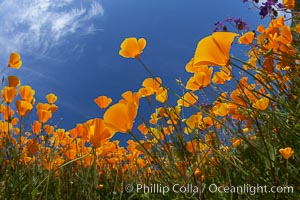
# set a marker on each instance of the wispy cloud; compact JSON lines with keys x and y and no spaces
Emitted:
{"x":38,"y":25}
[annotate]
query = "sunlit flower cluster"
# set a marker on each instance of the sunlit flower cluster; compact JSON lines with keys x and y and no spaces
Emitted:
{"x":232,"y":119}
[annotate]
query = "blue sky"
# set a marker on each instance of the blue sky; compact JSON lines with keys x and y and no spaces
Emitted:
{"x":70,"y":47}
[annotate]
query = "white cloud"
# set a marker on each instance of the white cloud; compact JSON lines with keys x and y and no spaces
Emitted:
{"x":37,"y":25}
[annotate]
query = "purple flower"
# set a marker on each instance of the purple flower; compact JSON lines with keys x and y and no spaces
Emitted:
{"x":240,"y":25}
{"x":264,"y":10}
{"x":219,"y":24}
{"x":229,"y":19}
{"x":280,"y":5}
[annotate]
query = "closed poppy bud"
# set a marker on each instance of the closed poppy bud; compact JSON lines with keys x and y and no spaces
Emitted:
{"x":286,"y":153}
{"x":237,"y":142}
{"x":26,"y":93}
{"x":15,"y":61}
{"x":103,"y":101}
{"x":23,"y":107}
{"x":132,"y":48}
{"x":44,"y":115}
{"x":36,"y":127}
{"x":9,"y":93}
{"x":51,"y":98}
{"x":13,"y":81}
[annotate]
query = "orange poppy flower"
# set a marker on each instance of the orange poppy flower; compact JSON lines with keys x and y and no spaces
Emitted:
{"x":237,"y":97}
{"x":214,"y":49}
{"x":79,"y":131}
{"x":23,"y":107}
{"x":70,"y":154}
{"x":132,"y":48}
{"x":161,"y":95}
{"x":51,"y":98}
{"x":43,"y":106}
{"x":190,"y":67}
{"x":44,"y":115}
{"x":261,"y":104}
{"x":290,"y":4}
{"x":13,"y":81}
{"x":98,"y":134}
{"x":247,"y":38}
{"x":36,"y":127}
{"x":152,"y":83}
{"x":222,"y":76}
{"x":286,"y":153}
{"x":237,"y":142}
{"x":221,"y":109}
{"x":201,"y":78}
{"x":129,"y":96}
{"x":53,"y":108}
{"x":103,"y":101}
{"x":26,"y":93}
{"x":153,"y":118}
{"x":268,"y":64}
{"x":145,"y":92}
{"x":188,"y":99}
{"x":15,"y":61}
{"x":143,"y":129}
{"x":48,"y":129}
{"x":14,"y":121}
{"x":194,"y":121}
{"x":120,"y":117}
{"x":7,"y":112}
{"x":33,"y":146}
{"x":8,"y":94}
{"x":286,"y":36}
